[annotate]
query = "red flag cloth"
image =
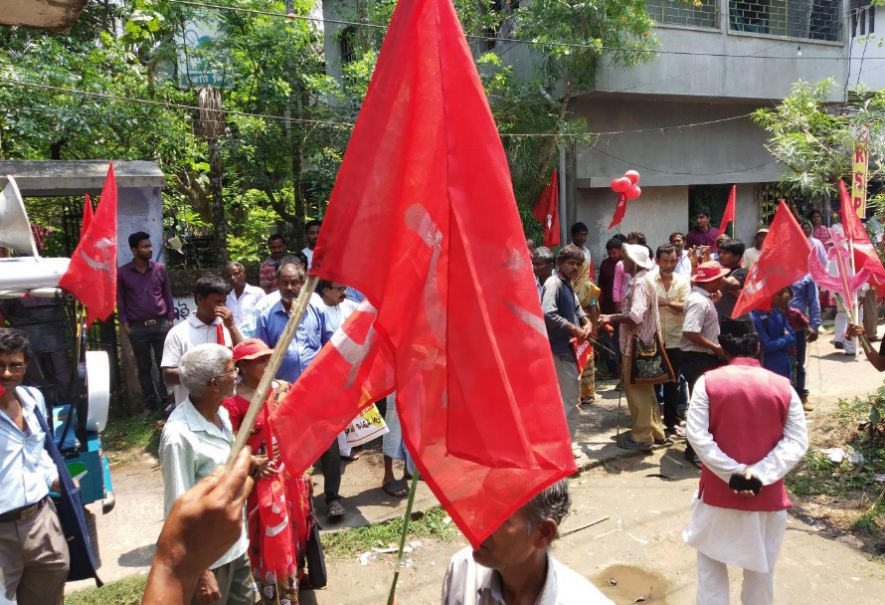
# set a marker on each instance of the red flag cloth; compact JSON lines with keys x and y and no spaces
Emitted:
{"x":547,"y":211}
{"x":583,"y":352}
{"x":423,"y":220}
{"x":87,"y":215}
{"x":782,"y":261}
{"x":864,"y":252}
{"x":620,"y":210}
{"x":92,"y":274}
{"x":728,"y":215}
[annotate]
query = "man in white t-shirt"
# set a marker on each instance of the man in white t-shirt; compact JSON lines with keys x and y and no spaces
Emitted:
{"x":313,"y":234}
{"x":242,"y":297}
{"x":212,"y":323}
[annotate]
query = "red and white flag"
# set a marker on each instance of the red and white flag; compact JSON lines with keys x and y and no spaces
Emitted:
{"x":782,"y":261}
{"x":728,"y":215}
{"x":423,"y":220}
{"x":620,"y":210}
{"x":92,"y":275}
{"x":864,"y":252}
{"x":547,"y":211}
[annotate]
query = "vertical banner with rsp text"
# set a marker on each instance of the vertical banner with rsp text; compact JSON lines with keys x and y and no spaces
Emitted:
{"x":859,"y":166}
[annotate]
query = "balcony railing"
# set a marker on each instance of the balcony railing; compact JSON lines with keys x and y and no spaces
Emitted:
{"x":809,"y":19}
{"x":696,"y":13}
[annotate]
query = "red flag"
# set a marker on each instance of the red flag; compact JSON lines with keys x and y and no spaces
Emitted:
{"x":864,"y":252}
{"x":547,"y":211}
{"x":87,"y":215}
{"x":728,"y":215}
{"x":423,"y":220}
{"x":92,"y":274}
{"x":783,"y":260}
{"x":620,"y":210}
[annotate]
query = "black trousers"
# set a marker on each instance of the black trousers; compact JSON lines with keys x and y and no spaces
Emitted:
{"x":672,"y":395}
{"x":147,"y":340}
{"x":330,"y":463}
{"x":694,"y":364}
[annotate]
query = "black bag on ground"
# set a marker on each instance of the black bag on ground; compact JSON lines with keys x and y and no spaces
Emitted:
{"x":316,"y":560}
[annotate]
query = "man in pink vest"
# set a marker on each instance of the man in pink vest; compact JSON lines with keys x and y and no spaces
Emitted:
{"x":747,"y":426}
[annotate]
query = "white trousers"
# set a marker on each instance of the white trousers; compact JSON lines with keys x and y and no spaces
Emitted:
{"x":342,"y":445}
{"x":757,"y":589}
{"x":842,"y":326}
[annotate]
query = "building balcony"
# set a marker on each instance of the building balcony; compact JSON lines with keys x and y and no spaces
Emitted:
{"x":806,"y":19}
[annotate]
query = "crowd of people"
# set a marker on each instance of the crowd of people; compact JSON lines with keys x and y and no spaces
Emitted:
{"x":660,"y":324}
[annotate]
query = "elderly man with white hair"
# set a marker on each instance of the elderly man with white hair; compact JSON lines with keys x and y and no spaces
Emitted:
{"x":197,"y":438}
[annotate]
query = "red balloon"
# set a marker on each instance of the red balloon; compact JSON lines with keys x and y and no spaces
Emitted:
{"x":633,"y":192}
{"x":633,"y":176}
{"x":621,"y":185}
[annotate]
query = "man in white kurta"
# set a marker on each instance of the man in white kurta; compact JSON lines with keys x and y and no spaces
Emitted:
{"x":742,"y":420}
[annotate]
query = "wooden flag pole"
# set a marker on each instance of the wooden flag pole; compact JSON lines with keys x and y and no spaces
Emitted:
{"x":402,"y":539}
{"x":279,"y":351}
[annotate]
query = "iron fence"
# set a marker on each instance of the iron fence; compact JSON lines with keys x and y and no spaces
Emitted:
{"x":695,"y":13}
{"x":808,"y":19}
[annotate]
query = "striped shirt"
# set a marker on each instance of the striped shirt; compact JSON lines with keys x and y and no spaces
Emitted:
{"x":190,"y":449}
{"x":638,"y":304}
{"x":267,"y":275}
{"x":699,"y":316}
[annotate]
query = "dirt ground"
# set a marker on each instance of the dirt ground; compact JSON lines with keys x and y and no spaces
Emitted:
{"x":647,"y":500}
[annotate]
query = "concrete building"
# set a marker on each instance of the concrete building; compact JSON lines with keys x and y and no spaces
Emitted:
{"x":867,"y":65}
{"x":718,"y":61}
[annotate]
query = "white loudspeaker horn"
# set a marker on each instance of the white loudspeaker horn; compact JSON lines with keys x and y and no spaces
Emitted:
{"x":15,"y":228}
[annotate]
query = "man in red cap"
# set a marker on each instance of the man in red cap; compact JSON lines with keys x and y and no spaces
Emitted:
{"x":700,"y":350}
{"x":748,"y":427}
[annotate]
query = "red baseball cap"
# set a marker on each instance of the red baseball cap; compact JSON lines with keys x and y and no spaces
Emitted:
{"x":709,"y":271}
{"x":251,"y":348}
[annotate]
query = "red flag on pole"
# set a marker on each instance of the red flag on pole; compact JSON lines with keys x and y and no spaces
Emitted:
{"x":547,"y":211}
{"x":423,"y":220}
{"x":87,"y":215}
{"x":620,"y":210}
{"x":92,"y":275}
{"x":864,"y":252}
{"x":728,"y":215}
{"x":783,"y":260}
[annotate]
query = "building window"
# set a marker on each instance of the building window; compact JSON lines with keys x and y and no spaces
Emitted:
{"x":809,"y":19}
{"x":711,"y":197}
{"x":697,"y":13}
{"x":347,"y":42}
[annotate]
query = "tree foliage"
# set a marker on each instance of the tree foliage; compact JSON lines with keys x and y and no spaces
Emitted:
{"x":287,"y":129}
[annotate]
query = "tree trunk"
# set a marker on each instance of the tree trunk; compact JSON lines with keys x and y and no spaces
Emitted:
{"x":216,"y":170}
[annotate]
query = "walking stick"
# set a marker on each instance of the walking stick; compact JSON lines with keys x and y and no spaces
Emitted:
{"x":279,"y":351}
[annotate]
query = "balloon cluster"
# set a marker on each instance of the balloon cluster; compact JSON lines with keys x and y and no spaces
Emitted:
{"x":627,"y":185}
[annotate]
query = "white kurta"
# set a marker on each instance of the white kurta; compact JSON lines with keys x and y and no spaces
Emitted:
{"x":747,"y":539}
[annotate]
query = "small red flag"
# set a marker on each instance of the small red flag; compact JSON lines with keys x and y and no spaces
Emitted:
{"x":92,"y":274}
{"x":547,"y":211}
{"x":87,"y":215}
{"x":458,"y":321}
{"x":620,"y":210}
{"x":783,"y":260}
{"x":864,"y":252}
{"x":728,"y":215}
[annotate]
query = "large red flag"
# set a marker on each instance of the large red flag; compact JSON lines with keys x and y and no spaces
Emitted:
{"x":92,"y":274}
{"x":547,"y":211}
{"x":423,"y":220}
{"x":728,"y":215}
{"x":783,"y":260}
{"x":864,"y":252}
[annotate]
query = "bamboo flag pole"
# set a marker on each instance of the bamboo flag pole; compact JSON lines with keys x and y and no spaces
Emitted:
{"x":402,"y":540}
{"x":279,"y":351}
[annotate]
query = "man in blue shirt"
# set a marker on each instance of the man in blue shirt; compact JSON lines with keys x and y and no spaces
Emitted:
{"x":267,"y":322}
{"x":34,"y":558}
{"x":807,"y":301}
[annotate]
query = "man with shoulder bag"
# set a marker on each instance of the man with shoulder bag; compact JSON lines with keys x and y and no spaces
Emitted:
{"x":645,"y":362}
